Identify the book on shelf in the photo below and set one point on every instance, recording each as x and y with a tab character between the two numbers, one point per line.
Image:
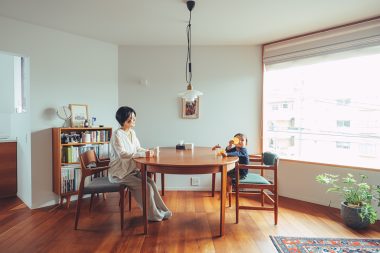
70	154
70	178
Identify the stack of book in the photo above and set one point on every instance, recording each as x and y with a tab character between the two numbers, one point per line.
70	178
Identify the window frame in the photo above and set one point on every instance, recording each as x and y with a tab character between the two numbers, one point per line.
344	103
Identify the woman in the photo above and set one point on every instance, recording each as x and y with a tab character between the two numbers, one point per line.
124	147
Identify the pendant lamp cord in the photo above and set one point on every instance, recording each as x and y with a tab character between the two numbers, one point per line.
188	59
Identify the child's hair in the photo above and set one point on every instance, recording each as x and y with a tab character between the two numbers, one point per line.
243	136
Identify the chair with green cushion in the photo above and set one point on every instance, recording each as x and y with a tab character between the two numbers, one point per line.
259	183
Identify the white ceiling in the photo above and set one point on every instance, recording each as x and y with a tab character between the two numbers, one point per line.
214	22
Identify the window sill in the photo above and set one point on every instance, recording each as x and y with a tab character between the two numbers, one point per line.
331	165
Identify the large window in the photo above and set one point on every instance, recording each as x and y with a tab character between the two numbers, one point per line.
325	108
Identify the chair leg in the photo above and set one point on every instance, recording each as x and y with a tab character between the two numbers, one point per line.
130	200
262	197
229	190
91	201
237	203
122	190
275	208
77	213
154	177
213	184
162	184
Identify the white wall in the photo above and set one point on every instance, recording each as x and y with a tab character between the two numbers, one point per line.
6	83
64	69
230	78
6	93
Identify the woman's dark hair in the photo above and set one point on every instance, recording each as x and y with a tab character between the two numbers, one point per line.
123	114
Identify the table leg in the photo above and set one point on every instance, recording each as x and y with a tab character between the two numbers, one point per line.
143	180
162	184
213	184
223	198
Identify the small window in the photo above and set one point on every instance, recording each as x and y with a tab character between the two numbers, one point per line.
367	149
19	84
343	145
343	123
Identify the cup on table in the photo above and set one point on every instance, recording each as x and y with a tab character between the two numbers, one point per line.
149	153
157	151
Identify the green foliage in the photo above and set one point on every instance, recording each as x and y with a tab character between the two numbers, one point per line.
356	193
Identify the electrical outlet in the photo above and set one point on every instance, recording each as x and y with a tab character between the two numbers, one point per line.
195	181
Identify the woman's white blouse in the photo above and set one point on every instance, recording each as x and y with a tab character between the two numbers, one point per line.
124	147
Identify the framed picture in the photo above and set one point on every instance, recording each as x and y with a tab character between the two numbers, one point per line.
79	113
190	109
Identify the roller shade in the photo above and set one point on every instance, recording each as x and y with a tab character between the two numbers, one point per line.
360	35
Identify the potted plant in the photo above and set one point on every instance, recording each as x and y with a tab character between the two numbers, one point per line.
356	209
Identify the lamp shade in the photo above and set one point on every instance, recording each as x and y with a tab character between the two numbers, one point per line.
190	95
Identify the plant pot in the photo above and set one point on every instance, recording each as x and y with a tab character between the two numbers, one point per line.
351	216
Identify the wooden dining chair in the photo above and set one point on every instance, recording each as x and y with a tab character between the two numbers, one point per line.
259	184
90	166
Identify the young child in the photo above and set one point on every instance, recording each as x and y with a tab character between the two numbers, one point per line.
236	147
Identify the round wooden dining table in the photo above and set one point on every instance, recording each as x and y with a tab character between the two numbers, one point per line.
200	160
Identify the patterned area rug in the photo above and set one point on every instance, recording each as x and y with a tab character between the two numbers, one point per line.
286	244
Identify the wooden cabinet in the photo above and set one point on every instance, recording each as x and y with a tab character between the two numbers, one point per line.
8	169
68	143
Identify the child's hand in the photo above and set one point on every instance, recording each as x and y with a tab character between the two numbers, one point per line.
223	153
215	147
231	142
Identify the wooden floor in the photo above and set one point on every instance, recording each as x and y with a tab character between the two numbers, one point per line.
194	227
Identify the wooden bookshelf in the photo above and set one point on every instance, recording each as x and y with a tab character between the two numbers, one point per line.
68	143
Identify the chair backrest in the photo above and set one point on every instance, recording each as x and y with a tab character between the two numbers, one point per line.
87	158
270	158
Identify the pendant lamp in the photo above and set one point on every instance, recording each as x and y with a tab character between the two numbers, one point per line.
190	94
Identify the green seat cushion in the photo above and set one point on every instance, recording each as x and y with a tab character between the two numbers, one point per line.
253	178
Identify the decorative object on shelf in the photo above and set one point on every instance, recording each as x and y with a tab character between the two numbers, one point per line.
93	120
64	112
79	115
356	209
190	109
190	94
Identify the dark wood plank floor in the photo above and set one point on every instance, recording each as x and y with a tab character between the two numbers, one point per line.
194	227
